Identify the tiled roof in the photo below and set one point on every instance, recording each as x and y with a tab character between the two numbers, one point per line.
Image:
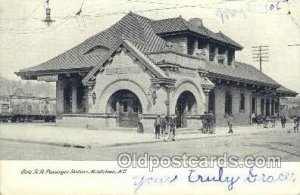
240	71
132	27
285	91
179	24
141	33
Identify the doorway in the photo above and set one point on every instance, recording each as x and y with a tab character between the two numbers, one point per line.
186	105
126	105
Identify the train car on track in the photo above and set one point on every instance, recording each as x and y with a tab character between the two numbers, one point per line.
16	108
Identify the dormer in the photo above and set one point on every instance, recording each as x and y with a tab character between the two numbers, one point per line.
193	38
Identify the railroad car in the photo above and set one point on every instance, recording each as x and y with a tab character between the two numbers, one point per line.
23	108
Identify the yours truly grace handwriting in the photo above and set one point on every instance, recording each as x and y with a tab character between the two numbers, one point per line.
220	176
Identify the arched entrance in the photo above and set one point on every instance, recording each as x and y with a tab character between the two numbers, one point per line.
186	105
126	105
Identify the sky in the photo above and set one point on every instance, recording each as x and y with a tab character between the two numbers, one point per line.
26	41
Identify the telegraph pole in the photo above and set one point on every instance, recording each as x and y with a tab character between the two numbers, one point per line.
260	54
48	19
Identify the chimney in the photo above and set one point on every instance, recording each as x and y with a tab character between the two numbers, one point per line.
196	21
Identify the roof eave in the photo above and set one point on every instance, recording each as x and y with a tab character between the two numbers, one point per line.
31	75
287	94
226	77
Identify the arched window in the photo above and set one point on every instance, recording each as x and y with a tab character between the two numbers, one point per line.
228	103
242	101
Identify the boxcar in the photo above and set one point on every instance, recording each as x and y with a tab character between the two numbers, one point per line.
23	108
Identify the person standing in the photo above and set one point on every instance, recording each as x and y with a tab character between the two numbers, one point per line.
172	128
140	124
296	125
283	121
163	126
253	117
204	122
213	119
157	127
230	125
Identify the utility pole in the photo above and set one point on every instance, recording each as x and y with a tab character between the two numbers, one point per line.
260	54
48	19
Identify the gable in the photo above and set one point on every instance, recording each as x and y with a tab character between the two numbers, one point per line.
124	58
124	64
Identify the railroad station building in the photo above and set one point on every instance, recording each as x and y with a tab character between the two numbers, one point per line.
155	67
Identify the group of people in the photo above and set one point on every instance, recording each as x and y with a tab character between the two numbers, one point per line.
165	127
283	121
208	123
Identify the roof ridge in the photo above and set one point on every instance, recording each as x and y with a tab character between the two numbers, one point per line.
166	19
139	23
186	23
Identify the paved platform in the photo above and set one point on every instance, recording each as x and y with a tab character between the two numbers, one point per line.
47	133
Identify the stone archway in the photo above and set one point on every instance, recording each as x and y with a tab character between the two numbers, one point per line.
126	105
186	105
124	84
190	86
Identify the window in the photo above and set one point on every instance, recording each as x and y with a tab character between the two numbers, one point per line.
253	105
67	99
262	106
5	108
267	107
228	103
231	57
190	45
211	102
212	52
221	50
242	101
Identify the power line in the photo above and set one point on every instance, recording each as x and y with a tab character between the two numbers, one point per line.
260	54
39	30
174	6
289	13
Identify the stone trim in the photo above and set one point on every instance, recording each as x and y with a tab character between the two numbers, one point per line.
92	115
